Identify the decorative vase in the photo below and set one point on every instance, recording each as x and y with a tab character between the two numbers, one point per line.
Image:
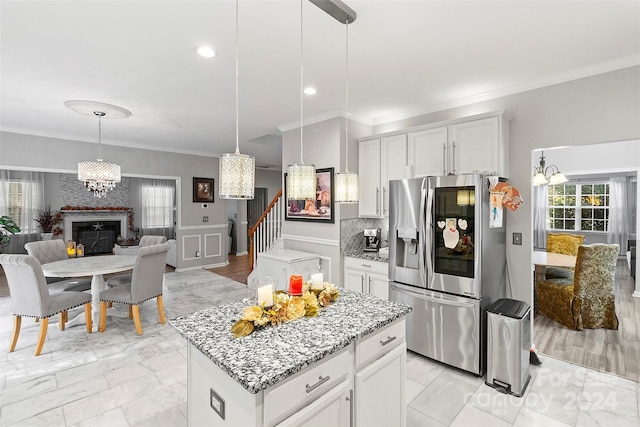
46	236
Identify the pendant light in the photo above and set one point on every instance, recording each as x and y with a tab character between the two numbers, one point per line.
237	171
347	190
301	182
98	176
547	175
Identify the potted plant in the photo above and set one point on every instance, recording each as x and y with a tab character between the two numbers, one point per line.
48	220
8	227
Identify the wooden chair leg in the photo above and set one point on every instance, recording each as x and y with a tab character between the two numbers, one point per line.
88	317
130	312
17	321
136	318
62	320
44	324
161	310
103	316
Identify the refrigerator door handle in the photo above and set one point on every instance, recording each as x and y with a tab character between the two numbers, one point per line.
421	233
428	232
442	301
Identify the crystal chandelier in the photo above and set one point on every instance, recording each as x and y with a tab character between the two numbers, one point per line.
237	171
541	174
347	190
301	182
98	176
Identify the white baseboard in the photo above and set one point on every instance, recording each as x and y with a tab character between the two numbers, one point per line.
202	267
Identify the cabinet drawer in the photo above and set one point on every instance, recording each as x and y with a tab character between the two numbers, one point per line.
366	265
380	343
306	386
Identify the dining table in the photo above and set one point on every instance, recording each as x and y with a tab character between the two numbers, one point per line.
543	259
95	266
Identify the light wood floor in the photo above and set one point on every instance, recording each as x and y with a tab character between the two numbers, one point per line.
616	352
238	268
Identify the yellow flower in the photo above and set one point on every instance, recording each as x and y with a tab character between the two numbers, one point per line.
296	308
252	313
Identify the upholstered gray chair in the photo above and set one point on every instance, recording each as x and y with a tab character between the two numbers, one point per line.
146	283
30	297
123	279
55	250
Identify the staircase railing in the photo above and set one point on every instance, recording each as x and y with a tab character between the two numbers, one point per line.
267	230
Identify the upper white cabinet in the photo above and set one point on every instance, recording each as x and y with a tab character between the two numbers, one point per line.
379	161
479	143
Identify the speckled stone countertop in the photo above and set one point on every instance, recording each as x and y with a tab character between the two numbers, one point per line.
372	256
273	353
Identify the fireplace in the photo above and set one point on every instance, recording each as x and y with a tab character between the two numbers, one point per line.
96	230
97	237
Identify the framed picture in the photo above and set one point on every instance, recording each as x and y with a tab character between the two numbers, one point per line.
203	189
319	209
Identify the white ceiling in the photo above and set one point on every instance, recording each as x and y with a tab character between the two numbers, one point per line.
406	58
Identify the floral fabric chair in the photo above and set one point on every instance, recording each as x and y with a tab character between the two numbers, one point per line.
562	243
587	300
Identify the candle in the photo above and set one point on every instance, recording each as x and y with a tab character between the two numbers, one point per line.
71	248
80	250
295	285
265	295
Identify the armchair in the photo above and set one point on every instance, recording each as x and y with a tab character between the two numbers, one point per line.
562	243
586	300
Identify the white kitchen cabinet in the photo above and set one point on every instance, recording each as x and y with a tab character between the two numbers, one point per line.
333	408
380	160
460	148
367	277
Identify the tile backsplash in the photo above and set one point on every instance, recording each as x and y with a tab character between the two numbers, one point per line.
351	237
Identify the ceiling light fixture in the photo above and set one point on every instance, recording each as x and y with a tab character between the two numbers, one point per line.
347	190
301	183
206	51
310	91
541	174
237	171
98	176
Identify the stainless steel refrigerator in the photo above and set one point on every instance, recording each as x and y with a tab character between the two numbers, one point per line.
447	263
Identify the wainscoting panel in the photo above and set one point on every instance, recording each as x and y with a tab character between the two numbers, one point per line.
190	245
212	245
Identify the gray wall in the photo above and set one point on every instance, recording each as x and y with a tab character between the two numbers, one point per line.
597	109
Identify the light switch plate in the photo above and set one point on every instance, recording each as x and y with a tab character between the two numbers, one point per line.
517	238
217	403
205	219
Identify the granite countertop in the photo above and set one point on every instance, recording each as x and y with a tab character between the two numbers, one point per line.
372	256
273	353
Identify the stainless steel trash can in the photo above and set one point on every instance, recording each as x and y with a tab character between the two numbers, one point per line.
508	343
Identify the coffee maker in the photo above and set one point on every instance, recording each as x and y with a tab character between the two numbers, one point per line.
371	239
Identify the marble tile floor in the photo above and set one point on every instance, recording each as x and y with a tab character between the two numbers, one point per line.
117	378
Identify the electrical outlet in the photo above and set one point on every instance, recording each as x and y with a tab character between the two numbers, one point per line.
197	254
216	403
517	238
205	219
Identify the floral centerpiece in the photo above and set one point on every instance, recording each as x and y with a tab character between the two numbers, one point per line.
48	220
285	308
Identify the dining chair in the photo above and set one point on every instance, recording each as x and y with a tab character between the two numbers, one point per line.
30	297
586	300
562	243
46	251
123	279
146	283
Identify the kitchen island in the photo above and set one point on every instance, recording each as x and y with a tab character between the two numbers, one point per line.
334	366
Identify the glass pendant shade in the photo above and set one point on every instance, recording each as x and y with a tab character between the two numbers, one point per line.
99	176
237	176
301	182
347	188
557	178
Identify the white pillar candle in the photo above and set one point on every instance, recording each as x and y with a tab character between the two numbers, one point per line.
265	295
317	278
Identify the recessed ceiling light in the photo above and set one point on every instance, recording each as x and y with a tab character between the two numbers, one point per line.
310	91
206	51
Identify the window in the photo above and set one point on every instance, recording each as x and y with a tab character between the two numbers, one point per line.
158	203
23	204
582	207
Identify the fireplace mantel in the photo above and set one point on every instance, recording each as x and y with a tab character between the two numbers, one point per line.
83	214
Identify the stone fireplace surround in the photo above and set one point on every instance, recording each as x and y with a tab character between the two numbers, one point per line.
71	216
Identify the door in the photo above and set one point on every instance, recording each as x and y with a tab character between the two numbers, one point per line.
378	285
369	178
354	280
393	161
442	327
257	206
379	390
475	146
428	152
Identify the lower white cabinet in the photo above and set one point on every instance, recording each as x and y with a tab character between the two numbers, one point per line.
380	391
333	408
367	277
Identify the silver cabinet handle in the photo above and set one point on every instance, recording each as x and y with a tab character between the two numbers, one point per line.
366	265
377	200
384	197
362	285
350	400
321	380
369	289
453	165
389	339
444	159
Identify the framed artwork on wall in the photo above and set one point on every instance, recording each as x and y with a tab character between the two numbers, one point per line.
203	189
318	210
